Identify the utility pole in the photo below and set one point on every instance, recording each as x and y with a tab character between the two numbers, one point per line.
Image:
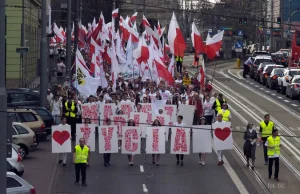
271	31
281	25
144	7
43	57
3	99
134	11
69	38
261	24
290	21
114	4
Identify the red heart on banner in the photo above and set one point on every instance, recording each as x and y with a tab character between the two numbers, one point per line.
61	136
222	134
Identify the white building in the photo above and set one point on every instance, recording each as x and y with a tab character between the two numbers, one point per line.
276	12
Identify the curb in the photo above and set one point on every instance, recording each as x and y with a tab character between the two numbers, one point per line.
53	175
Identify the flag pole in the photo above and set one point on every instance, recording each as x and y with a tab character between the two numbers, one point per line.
150	71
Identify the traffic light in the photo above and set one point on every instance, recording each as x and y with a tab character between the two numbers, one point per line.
240	20
278	20
245	21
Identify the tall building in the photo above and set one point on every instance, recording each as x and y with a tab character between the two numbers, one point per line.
22	29
273	6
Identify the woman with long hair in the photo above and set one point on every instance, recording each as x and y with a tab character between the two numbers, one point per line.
250	137
156	157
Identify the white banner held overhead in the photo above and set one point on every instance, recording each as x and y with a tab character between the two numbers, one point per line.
126	107
140	117
131	140
202	142
180	141
155	142
106	111
171	111
120	121
187	111
108	139
87	132
61	139
91	111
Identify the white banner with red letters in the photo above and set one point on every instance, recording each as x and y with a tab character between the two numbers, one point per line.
202	142
106	111
180	140
61	138
164	120
108	139
91	111
87	132
140	117
131	140
222	136
147	108
126	107
120	121
171	111
187	111
155	142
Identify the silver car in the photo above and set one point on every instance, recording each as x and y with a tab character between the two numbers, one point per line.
293	87
15	164
17	185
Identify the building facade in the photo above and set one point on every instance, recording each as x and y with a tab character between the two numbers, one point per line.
22	29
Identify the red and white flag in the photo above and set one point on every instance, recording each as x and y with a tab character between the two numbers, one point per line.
197	40
133	17
162	70
175	38
141	53
213	45
115	13
145	21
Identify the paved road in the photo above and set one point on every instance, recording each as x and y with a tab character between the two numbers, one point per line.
248	103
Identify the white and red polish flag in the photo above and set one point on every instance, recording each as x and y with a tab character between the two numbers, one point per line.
95	67
197	40
141	53
201	75
162	71
145	21
175	38
133	17
115	13
213	45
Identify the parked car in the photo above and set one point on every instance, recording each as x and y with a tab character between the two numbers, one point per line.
260	53
267	72
256	62
31	119
46	116
17	185
23	137
15	164
272	79
260	69
293	88
22	97
286	77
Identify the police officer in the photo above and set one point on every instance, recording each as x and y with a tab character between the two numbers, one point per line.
70	113
179	64
80	159
273	144
266	127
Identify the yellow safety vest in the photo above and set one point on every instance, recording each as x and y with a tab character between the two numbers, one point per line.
179	59
186	81
225	114
273	142
218	104
81	154
70	112
266	130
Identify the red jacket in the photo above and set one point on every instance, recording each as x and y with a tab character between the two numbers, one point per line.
198	106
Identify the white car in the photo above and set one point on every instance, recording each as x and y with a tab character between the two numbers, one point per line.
24	137
293	88
15	164
17	185
286	78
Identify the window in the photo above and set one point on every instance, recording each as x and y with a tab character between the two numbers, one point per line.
29	97
41	112
28	117
21	130
15	117
11	183
13	132
17	98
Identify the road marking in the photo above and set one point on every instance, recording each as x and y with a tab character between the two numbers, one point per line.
247	81
267	91
279	97
294	104
251	83
286	101
273	94
145	188
237	181
141	168
261	88
256	85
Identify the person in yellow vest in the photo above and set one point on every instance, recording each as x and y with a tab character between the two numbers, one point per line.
179	64
70	113
218	103
266	127
273	144
186	79
225	112
80	159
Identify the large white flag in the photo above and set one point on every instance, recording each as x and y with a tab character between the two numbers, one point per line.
84	82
